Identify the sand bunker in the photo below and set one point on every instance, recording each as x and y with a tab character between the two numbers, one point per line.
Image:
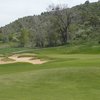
22	58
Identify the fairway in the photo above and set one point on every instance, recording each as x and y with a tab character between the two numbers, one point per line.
50	50
63	77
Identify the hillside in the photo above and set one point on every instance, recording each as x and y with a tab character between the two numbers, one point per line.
46	30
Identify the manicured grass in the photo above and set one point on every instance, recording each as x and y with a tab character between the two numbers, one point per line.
72	83
64	77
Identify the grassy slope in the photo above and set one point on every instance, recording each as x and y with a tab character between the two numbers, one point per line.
65	77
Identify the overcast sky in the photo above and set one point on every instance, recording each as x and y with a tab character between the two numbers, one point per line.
11	10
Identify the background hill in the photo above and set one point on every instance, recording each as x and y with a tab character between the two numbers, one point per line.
76	25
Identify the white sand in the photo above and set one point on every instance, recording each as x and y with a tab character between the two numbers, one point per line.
16	58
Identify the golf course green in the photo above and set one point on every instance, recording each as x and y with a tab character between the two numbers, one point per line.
66	76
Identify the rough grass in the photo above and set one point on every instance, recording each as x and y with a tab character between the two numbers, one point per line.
9	51
81	49
6	59
65	77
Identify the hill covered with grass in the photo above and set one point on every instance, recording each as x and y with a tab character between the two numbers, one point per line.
76	25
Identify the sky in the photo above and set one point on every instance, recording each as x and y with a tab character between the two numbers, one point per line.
11	10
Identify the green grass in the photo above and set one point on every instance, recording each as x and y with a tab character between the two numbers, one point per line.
70	49
66	76
8	51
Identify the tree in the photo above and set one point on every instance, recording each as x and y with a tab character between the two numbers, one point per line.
87	2
94	20
24	38
52	37
61	21
40	37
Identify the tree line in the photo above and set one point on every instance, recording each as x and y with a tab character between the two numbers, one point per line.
60	25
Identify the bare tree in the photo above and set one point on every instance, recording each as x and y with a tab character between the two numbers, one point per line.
61	21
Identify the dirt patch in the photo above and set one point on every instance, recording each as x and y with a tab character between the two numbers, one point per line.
22	58
6	60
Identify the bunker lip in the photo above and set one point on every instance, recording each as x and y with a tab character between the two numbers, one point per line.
17	58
